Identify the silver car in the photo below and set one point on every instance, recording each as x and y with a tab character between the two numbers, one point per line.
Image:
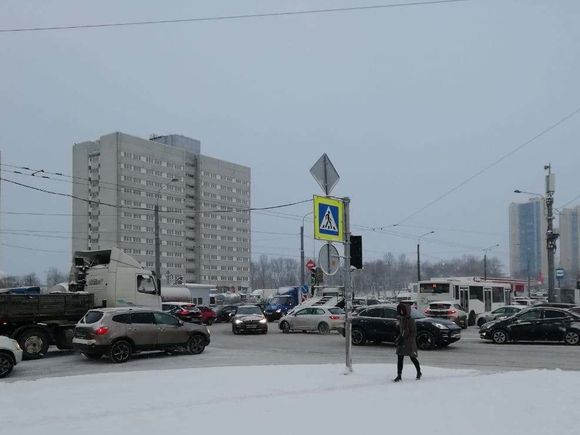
120	332
498	313
321	319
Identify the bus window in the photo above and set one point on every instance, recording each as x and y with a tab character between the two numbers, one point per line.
434	288
497	294
476	292
456	292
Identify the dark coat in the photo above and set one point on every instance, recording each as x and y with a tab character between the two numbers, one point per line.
407	344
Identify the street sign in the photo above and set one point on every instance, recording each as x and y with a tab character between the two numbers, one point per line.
328	259
325	174
559	273
328	219
310	265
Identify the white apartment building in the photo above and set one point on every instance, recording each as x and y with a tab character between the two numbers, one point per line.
203	202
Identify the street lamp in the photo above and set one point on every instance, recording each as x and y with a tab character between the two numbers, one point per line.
485	251
302	248
157	241
419	254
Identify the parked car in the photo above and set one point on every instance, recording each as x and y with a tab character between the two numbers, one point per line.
225	313
183	311
447	310
535	324
526	302
10	355
321	319
563	305
498	313
249	318
380	323
208	316
120	332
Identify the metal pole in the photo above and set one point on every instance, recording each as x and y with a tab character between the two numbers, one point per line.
347	287
485	266
550	236
418	263
157	249
529	278
302	255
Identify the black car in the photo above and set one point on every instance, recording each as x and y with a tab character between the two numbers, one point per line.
380	323
535	324
225	313
249	318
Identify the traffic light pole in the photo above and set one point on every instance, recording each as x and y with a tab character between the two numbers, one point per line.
347	288
551	237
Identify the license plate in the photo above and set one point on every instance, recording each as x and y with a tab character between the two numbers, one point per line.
251	326
83	341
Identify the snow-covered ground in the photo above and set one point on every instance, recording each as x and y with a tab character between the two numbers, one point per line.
294	400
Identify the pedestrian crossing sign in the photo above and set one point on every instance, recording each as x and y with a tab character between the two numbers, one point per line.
328	219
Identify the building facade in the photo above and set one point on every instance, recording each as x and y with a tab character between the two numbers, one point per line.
570	245
203	202
528	254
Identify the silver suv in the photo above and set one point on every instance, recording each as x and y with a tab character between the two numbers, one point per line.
120	332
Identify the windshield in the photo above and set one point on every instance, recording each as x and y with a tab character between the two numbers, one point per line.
279	300
249	310
416	314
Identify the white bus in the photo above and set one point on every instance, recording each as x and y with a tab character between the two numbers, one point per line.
474	296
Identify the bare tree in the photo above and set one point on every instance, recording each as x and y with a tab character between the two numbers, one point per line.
55	276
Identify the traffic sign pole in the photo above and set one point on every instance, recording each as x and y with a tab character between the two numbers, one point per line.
347	288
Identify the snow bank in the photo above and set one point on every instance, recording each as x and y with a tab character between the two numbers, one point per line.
294	400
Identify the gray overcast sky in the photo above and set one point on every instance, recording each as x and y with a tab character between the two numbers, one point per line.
407	102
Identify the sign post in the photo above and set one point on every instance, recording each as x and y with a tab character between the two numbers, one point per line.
331	223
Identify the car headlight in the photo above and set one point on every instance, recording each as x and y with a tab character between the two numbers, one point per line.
279	310
440	326
263	320
238	322
18	346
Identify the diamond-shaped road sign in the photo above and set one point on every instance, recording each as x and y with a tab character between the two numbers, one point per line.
325	174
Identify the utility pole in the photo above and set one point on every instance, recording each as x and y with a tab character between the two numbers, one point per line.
485	260
419	254
157	238
302	255
551	237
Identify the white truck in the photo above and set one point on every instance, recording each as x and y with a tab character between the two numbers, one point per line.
106	278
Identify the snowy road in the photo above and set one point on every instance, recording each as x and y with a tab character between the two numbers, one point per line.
277	348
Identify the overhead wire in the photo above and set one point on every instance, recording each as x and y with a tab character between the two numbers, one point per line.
230	17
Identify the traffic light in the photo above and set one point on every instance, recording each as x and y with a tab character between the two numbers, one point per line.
356	259
316	276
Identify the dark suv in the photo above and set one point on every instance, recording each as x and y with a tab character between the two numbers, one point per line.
120	332
380	323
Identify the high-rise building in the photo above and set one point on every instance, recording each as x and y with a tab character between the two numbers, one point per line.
528	254
570	245
203	202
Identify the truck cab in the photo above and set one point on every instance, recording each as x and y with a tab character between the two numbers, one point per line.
115	278
286	299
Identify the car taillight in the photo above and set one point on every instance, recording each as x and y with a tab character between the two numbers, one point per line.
451	311
334	317
426	310
183	312
102	330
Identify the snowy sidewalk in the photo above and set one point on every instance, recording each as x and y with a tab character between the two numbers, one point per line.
294	400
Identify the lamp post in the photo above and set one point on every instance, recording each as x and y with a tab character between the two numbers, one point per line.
157	240
419	254
485	251
302	248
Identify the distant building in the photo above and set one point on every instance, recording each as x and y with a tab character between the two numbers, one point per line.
202	239
528	255
570	245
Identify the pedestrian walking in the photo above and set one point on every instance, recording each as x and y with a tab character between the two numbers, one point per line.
406	343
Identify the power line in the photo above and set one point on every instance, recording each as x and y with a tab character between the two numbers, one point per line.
491	165
230	17
32	249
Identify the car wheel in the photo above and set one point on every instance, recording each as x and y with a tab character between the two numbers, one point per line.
6	364
358	337
285	327
120	351
323	328
34	344
235	331
572	338
463	324
481	322
425	340
196	344
209	322
92	356
499	337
